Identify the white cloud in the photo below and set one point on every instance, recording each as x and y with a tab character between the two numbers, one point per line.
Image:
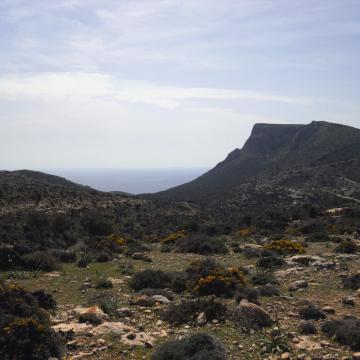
79	86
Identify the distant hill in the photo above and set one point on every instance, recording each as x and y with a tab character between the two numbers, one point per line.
318	161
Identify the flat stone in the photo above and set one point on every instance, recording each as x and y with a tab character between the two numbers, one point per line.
161	299
297	285
77	328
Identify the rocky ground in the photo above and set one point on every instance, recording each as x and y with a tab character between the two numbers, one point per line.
136	327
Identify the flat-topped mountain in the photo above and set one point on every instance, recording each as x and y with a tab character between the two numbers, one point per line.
287	156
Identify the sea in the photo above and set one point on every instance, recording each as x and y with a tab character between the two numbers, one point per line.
133	181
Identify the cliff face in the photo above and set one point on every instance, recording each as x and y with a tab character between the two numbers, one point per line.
271	153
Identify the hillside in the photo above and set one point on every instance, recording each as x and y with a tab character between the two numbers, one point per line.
314	159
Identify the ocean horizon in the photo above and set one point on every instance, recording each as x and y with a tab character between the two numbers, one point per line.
133	181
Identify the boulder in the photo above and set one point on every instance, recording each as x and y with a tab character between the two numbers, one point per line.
161	299
349	300
124	312
93	315
252	316
328	310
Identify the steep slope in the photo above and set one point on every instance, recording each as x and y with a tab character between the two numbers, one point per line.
283	156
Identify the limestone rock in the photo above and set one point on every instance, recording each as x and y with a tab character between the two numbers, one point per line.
161	299
93	315
252	316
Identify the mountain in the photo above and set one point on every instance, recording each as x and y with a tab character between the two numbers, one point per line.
308	162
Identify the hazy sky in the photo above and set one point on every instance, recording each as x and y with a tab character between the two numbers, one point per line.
167	83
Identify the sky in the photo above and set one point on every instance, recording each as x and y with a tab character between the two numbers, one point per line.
167	83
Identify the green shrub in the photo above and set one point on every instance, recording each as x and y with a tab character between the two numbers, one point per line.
25	332
352	282
10	259
103	257
311	312
109	304
270	261
206	277
68	257
269	290
286	247
345	332
40	261
104	284
187	311
196	347
263	277
247	293
307	328
126	268
45	300
200	244
347	247
155	279
84	260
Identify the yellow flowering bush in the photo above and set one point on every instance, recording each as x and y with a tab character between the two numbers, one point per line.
210	278
286	246
172	238
244	232
25	331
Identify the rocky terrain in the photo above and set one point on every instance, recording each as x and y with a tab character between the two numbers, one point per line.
266	268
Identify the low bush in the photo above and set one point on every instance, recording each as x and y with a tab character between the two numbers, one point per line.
263	277
307	328
112	243
126	268
68	257
10	259
45	300
286	247
352	282
154	279
318	237
103	257
206	277
169	241
109	304
200	244
194	347
187	311
25	332
40	261
247	293
346	332
104	284
269	261
269	290
178	281
96	224
311	312
85	260
347	247
251	253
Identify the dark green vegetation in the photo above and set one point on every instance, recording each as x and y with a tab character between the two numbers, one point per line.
25	332
195	347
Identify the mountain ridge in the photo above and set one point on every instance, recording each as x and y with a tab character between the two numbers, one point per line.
271	153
